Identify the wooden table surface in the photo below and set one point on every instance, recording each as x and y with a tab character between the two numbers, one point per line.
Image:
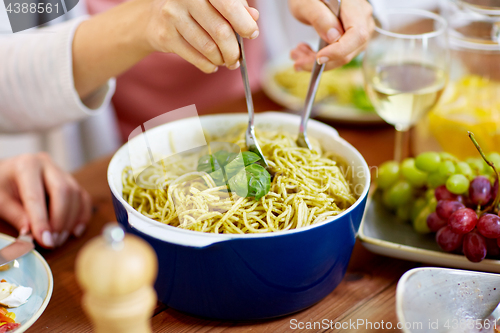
367	292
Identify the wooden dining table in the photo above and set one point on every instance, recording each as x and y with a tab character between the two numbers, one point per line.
366	293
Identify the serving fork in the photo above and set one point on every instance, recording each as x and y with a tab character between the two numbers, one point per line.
251	141
302	140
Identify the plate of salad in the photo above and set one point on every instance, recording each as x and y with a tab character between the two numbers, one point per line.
26	286
341	95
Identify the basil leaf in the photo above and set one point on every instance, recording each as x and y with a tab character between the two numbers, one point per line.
233	167
206	164
224	157
253	181
250	157
211	166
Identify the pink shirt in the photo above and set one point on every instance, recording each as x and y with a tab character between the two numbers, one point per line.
165	82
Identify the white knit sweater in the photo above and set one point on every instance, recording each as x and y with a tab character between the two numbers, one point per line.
36	80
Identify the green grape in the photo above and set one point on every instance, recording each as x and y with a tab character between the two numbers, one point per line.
435	179
428	162
429	194
476	164
457	184
403	212
398	195
418	205
487	169
432	204
414	176
495	158
420	222
448	157
388	174
465	169
447	168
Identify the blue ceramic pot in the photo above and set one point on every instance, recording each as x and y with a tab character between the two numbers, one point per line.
242	277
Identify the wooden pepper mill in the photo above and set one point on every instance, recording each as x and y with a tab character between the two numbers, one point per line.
116	272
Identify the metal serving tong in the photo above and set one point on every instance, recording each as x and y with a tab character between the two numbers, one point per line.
302	140
250	139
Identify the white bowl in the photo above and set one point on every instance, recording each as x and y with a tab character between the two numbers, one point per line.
445	300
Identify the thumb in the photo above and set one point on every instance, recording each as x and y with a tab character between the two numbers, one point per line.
317	14
13	212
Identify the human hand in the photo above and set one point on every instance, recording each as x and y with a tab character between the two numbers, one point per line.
346	38
25	182
202	31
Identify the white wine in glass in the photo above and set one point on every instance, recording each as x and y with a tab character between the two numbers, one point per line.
406	73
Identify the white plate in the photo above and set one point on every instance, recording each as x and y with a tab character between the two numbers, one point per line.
442	300
380	232
326	110
32	271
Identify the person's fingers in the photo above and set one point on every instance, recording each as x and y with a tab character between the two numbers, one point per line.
304	57
191	55
340	52
357	14
317	14
28	178
253	12
85	213
163	36
64	194
220	31
236	13
358	24
60	196
13	212
196	35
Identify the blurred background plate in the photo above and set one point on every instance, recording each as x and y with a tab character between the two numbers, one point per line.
32	271
382	233
329	108
445	300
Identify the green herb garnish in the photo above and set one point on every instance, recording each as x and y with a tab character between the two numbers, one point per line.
239	172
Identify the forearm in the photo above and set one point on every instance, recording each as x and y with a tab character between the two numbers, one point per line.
109	44
36	81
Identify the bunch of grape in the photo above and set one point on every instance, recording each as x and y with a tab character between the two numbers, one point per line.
455	199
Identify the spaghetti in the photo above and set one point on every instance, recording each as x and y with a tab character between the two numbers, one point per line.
308	187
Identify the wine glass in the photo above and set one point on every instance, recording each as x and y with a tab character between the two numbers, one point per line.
406	67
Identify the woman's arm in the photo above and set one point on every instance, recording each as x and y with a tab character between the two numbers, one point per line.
200	31
61	73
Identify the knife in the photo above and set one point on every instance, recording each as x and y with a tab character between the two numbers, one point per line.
21	246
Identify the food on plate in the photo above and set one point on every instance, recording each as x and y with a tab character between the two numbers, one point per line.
459	200
469	104
11	296
231	193
343	85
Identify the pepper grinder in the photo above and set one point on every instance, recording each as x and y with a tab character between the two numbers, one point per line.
116	272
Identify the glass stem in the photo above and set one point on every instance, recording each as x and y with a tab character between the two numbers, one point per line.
400	144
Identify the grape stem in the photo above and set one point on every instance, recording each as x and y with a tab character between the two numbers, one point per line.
494	205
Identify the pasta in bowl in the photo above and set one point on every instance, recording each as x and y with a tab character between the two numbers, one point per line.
256	257
308	187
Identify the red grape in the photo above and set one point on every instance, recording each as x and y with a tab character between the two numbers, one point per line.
480	190
494	190
498	241
448	240
434	222
463	220
445	208
492	247
489	225
474	246
442	193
